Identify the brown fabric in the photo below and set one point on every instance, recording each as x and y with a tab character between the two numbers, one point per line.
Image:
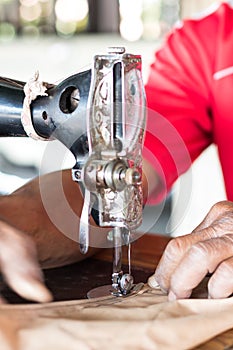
143	321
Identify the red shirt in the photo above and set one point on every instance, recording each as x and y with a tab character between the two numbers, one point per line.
191	86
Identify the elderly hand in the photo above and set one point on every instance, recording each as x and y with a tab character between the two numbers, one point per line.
19	266
30	236
208	249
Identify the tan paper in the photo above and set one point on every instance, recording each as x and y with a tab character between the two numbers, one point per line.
145	321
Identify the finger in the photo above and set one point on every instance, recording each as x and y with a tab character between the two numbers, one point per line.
221	282
2	300
172	256
218	221
29	288
25	280
203	257
19	265
177	248
170	259
216	213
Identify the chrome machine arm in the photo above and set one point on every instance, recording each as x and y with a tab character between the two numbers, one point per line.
111	174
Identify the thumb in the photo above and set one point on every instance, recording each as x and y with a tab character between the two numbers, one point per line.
152	282
19	265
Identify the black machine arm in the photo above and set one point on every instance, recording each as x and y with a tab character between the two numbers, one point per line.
60	115
11	104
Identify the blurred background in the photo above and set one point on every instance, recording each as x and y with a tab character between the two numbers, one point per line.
132	19
60	38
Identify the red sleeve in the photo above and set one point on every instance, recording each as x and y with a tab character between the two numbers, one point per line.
178	94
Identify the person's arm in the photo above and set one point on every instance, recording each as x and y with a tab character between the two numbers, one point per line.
152	184
188	259
180	123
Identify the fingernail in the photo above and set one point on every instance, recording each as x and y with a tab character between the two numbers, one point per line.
34	290
153	283
172	296
2	300
43	294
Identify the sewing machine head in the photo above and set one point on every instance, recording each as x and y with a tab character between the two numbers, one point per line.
111	172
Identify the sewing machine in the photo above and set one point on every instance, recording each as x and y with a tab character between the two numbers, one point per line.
99	115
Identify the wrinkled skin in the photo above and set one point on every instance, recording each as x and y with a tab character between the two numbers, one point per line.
208	249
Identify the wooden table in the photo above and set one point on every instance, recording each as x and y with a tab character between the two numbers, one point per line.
74	281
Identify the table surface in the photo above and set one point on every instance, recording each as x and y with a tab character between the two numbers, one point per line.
74	281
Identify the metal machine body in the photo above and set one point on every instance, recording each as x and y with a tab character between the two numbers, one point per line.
100	116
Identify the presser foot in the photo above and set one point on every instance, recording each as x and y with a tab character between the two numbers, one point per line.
122	286
108	290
